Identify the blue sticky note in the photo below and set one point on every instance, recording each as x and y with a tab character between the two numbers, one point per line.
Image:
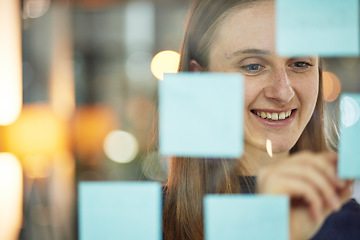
201	115
349	142
245	216
120	210
317	27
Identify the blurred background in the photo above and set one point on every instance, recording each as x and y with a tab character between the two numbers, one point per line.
78	98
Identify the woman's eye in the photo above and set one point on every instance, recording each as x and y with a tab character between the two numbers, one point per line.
252	68
301	65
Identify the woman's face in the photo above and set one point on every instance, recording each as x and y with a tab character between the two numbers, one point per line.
274	86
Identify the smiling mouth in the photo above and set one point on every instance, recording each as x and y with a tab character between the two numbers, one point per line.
273	116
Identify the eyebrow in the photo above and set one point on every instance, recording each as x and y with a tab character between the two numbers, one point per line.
250	51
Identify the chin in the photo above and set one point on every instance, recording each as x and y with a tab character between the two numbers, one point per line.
281	148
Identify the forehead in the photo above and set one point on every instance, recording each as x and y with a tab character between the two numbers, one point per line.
251	27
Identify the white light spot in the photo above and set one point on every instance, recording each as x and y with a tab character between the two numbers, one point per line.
165	62
10	62
120	146
36	8
269	147
350	111
11	188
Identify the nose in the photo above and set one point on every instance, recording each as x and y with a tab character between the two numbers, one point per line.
279	88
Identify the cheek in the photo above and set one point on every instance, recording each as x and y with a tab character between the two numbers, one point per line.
308	94
251	91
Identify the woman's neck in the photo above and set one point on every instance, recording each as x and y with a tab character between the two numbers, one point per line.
254	158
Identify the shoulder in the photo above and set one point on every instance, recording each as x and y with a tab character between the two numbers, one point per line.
343	224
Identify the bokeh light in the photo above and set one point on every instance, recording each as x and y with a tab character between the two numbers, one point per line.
10	62
165	62
36	166
91	124
120	146
35	8
331	86
11	196
36	131
350	111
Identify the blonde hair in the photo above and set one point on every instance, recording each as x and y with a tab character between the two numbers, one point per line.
190	179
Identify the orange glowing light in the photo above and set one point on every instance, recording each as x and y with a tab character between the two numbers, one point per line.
37	131
91	124
36	166
165	62
331	86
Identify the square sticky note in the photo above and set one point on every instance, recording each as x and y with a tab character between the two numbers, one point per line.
201	115
349	142
255	217
317	27
120	210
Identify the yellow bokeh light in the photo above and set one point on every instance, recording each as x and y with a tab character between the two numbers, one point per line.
120	146
11	189
165	62
90	126
36	131
331	86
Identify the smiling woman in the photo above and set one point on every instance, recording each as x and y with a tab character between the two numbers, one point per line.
273	84
283	105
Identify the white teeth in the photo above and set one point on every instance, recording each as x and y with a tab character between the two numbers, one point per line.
288	113
274	116
282	116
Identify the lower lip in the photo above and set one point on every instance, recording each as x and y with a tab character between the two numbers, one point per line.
276	124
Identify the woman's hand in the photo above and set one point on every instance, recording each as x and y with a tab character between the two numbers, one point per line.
310	181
